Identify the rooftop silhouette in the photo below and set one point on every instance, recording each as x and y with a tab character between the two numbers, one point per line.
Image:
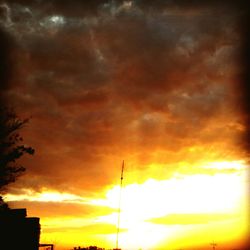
18	231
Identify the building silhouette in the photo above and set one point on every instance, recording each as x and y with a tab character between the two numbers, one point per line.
17	231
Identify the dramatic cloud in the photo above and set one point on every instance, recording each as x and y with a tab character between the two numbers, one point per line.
154	84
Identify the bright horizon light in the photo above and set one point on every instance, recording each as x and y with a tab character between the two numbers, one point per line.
158	210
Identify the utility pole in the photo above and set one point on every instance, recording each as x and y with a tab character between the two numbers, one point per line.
119	209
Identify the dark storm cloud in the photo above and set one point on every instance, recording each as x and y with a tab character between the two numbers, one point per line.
104	77
6	43
190	6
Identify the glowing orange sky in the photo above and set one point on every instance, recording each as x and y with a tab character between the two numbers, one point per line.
156	84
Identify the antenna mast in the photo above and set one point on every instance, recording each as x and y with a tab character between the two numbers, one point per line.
119	209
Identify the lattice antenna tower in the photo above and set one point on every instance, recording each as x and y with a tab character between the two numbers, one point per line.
119	208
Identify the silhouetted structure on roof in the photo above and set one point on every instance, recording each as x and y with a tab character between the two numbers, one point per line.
88	248
17	231
93	248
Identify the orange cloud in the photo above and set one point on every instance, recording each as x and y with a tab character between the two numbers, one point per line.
156	84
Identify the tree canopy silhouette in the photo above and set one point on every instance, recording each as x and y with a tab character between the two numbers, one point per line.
11	146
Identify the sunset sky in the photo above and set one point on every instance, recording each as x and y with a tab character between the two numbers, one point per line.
153	83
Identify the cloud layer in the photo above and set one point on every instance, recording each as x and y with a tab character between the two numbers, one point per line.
106	81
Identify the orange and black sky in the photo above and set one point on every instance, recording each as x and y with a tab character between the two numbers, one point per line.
156	83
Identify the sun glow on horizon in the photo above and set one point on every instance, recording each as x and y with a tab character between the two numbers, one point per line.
156	210
161	209
186	190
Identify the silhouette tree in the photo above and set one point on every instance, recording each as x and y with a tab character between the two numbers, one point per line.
11	147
